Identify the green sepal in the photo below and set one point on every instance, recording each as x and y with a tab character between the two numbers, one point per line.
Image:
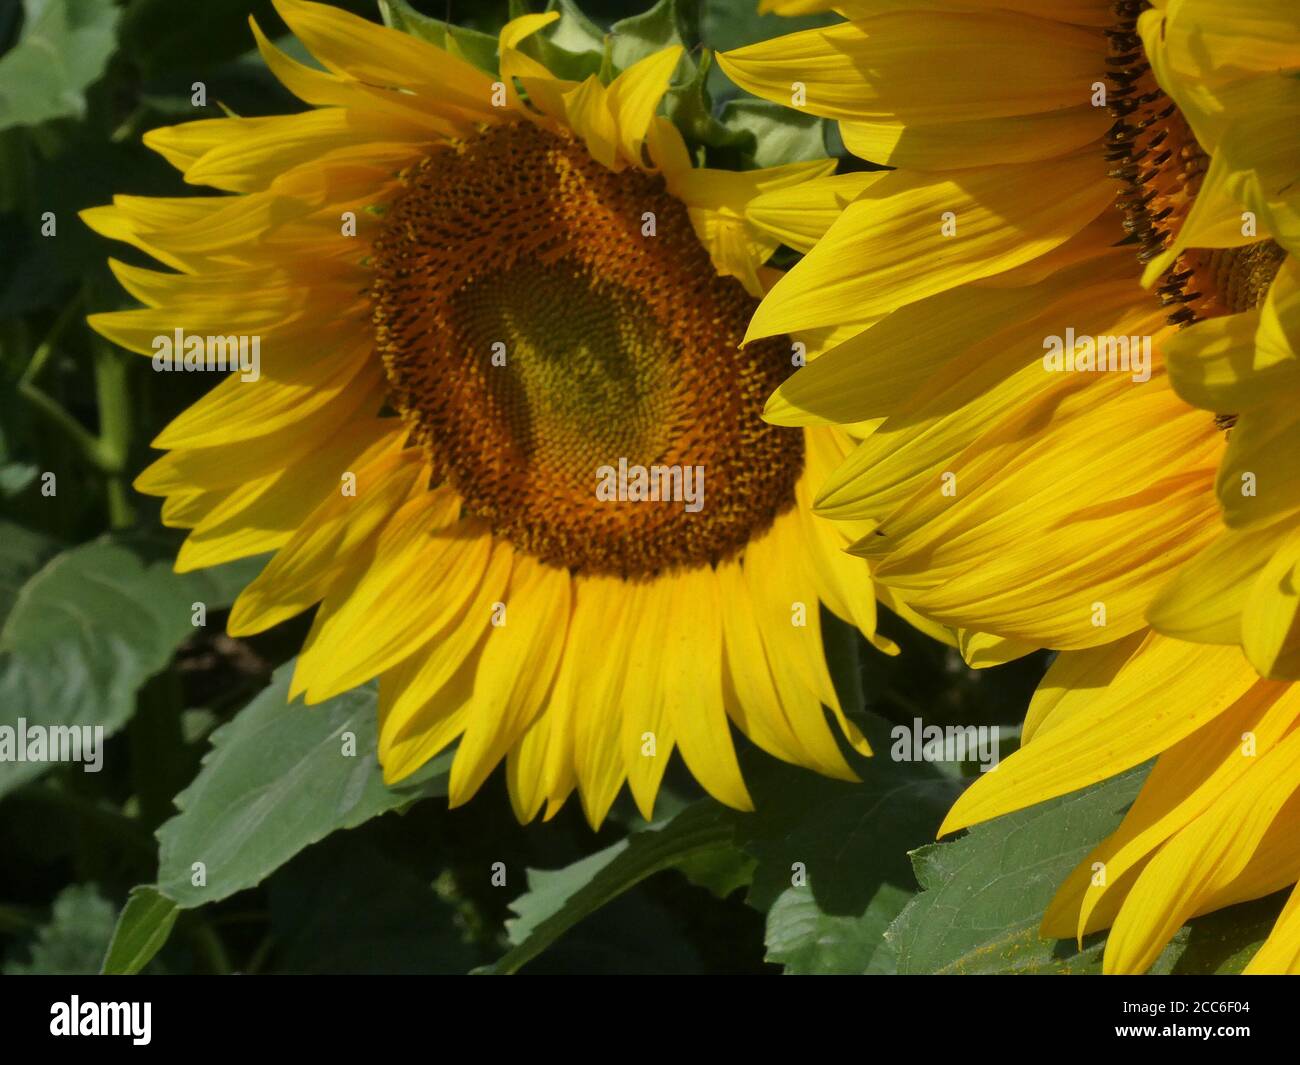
691	109
474	47
663	26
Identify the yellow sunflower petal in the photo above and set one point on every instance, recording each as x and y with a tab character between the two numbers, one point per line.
407	741
962	143
955	224
1280	954
1259	479
411	695
515	673
381	615
589	115
649	731
376	55
545	91
693	687
965	336
963	556
262	516
305	569
760	694
1202	859
1270	621
1186	781
601	619
1092	668
1204	601
866	70
800	215
1118	728
634	96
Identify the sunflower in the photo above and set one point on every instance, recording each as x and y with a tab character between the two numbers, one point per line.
1086	226
475	298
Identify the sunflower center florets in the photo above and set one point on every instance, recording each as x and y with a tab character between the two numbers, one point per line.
561	345
1161	165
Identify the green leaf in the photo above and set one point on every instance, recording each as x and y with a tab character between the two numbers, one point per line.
985	894
825	859
720	870
88	629
22	553
278	778
142	930
347	906
71	944
63	50
470	45
557	900
832	871
808	941
1221	943
15	477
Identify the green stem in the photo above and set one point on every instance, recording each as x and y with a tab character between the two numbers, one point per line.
114	444
47	404
42	354
130	128
209	945
259	957
108	452
54	410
